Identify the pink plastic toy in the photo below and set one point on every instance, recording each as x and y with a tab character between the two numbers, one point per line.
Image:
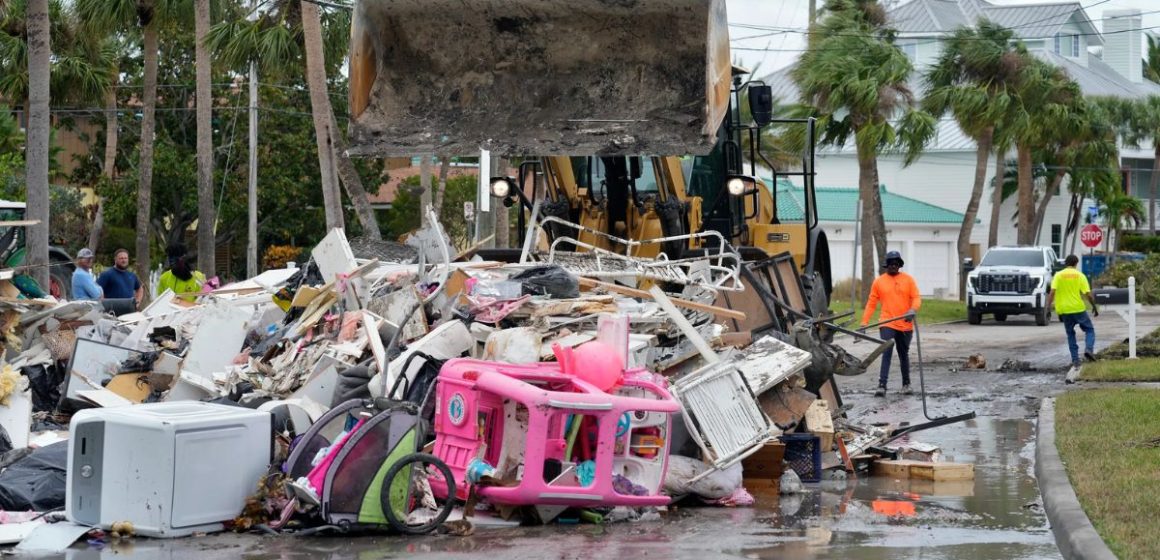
594	362
517	418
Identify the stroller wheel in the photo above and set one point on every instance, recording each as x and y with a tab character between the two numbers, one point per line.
404	488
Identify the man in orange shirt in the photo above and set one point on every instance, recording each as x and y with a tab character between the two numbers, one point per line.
898	294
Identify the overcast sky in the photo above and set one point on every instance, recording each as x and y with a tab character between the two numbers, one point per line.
770	50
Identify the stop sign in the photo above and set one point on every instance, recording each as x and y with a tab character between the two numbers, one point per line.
1091	235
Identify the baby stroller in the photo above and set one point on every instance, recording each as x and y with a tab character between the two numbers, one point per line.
361	465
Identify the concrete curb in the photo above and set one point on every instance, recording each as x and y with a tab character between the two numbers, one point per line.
1074	534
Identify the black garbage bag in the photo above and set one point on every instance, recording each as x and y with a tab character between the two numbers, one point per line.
549	280
36	482
45	382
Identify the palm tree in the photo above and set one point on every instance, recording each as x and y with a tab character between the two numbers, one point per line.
206	213
1084	144
1045	97
1002	141
280	40
110	17
36	151
1152	63
1120	210
853	78
1139	121
972	80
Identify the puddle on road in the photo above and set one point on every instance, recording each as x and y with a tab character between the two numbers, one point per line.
996	516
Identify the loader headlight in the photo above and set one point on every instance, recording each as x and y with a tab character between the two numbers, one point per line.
500	187
739	185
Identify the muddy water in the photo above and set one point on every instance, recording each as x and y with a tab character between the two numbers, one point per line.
996	516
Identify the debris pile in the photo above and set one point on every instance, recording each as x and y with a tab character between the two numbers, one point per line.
408	389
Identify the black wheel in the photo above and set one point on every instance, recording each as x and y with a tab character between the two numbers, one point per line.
399	498
1000	317
1042	316
974	317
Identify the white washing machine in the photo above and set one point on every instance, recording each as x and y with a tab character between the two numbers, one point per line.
171	469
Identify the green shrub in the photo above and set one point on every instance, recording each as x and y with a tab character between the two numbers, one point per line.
1140	243
1147	273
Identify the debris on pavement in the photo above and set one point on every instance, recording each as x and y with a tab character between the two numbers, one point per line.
406	392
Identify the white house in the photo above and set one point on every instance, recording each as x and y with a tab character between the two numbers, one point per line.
925	234
1107	64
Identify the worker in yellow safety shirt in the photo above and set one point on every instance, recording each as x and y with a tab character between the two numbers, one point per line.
180	277
1069	288
898	294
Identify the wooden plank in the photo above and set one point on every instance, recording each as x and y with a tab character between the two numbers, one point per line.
892	469
920	470
633	292
943	472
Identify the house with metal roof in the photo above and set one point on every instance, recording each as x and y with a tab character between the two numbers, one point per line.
1105	60
924	233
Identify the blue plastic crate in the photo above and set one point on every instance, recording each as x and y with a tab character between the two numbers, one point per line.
803	454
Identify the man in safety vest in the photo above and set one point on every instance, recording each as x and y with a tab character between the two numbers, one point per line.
898	294
1069	287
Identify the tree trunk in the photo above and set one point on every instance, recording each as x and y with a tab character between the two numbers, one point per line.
866	193
353	183
879	222
425	184
1026	197
320	110
1152	190
441	190
997	198
206	212
1041	212
110	168
145	168
981	154
37	146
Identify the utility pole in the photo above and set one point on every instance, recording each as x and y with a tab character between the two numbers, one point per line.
813	11
252	196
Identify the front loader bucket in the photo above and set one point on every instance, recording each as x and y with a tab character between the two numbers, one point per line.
538	77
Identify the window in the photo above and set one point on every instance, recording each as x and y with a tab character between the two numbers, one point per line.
1075	46
1013	257
1057	238
1057	41
910	49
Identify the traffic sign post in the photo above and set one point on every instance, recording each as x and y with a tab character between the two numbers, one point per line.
1091	236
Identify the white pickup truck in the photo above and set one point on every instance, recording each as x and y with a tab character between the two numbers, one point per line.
1012	281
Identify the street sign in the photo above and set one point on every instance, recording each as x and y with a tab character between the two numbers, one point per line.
468	210
1091	236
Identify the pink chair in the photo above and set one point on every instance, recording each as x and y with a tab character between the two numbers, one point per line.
480	410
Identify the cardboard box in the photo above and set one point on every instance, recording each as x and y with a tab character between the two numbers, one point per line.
766	465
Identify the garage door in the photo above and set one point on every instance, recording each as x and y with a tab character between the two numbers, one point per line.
930	267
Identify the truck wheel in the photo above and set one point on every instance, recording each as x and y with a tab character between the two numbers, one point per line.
59	282
1042	316
974	317
1000	317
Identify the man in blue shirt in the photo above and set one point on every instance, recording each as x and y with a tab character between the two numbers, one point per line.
119	282
84	286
